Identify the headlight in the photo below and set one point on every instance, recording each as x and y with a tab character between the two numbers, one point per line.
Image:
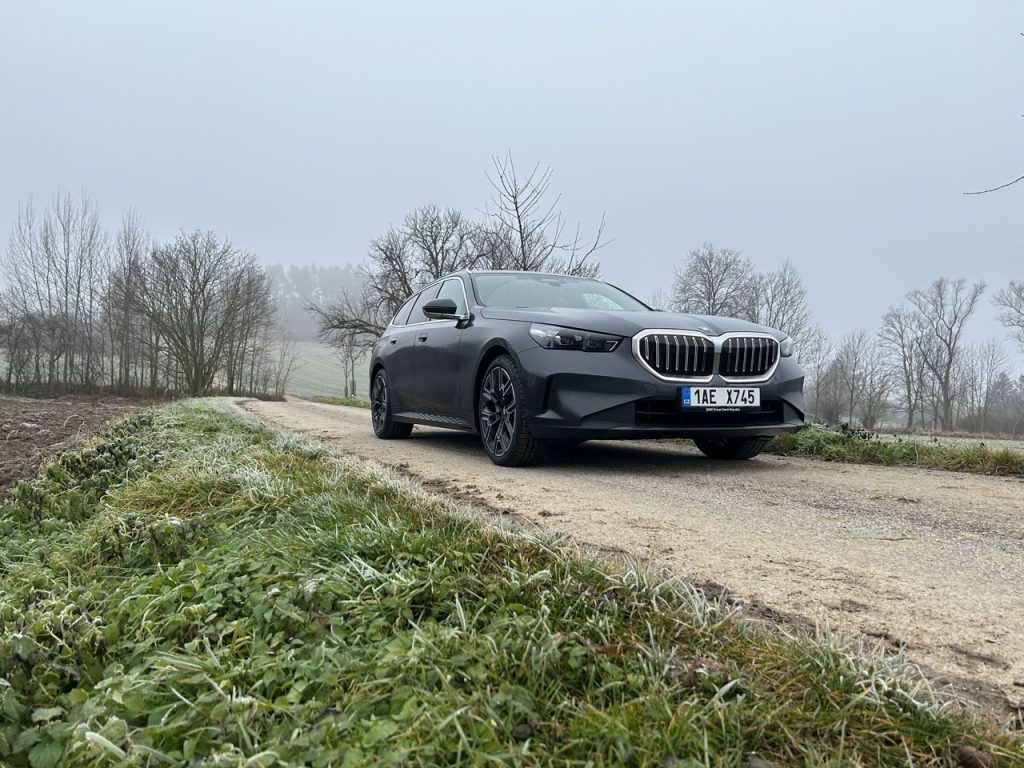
553	337
787	347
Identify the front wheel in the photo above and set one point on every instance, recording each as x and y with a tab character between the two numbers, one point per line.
384	426
502	416
731	447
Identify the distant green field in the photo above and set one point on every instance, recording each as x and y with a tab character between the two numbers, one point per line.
318	372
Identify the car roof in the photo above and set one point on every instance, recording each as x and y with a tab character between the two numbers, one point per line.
520	272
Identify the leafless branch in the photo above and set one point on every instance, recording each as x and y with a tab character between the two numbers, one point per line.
996	189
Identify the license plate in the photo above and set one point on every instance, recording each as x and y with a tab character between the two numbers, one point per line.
721	397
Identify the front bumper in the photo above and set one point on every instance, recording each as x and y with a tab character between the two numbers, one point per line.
575	395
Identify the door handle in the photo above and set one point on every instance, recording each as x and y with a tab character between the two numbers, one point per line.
422	337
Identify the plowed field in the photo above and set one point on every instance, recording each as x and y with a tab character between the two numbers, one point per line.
32	431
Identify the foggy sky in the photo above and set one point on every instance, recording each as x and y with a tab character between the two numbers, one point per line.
838	135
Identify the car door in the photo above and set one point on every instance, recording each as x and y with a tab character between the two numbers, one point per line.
399	353
438	364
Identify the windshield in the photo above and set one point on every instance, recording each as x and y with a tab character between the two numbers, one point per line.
513	290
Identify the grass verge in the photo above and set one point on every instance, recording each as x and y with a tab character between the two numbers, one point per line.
197	587
818	441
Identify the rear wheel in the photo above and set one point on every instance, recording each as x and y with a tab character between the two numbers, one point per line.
502	416
731	447
384	426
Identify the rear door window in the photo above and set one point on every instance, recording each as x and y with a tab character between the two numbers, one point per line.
402	315
417	316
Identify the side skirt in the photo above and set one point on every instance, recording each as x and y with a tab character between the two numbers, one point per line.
434	420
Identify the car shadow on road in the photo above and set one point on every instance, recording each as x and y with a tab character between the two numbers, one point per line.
646	456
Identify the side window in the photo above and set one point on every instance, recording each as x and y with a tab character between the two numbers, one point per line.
402	315
452	289
417	316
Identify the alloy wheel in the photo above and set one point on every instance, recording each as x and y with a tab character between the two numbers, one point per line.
379	403
498	411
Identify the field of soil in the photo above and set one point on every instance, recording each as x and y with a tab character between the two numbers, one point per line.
33	431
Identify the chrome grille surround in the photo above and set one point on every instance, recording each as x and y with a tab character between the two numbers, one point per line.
692	357
676	355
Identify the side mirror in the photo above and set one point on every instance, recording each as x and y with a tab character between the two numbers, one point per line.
441	309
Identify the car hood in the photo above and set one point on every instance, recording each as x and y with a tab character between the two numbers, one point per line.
621	323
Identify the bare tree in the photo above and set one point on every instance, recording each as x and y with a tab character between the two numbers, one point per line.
74	246
659	299
249	335
778	299
355	318
830	394
524	229
55	269
996	188
720	281
281	364
851	362
861	372
24	301
443	239
982	365
713	281
877	387
16	344
194	292
943	309
130	343
1006	413
899	337
816	353
350	352
394	269
1011	300
430	243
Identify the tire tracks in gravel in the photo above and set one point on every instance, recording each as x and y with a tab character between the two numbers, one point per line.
925	562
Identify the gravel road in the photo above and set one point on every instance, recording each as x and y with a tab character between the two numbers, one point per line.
925	561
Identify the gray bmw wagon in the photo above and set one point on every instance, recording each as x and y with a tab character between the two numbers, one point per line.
527	359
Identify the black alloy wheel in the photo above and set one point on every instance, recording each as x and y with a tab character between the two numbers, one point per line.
731	448
384	426
502	422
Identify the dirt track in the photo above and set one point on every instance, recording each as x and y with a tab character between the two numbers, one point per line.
931	562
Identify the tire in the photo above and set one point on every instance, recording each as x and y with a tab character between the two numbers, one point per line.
501	416
384	426
731	448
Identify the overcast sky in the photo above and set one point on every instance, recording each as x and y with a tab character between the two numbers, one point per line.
839	135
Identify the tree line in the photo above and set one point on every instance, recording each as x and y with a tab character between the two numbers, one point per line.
917	367
84	309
